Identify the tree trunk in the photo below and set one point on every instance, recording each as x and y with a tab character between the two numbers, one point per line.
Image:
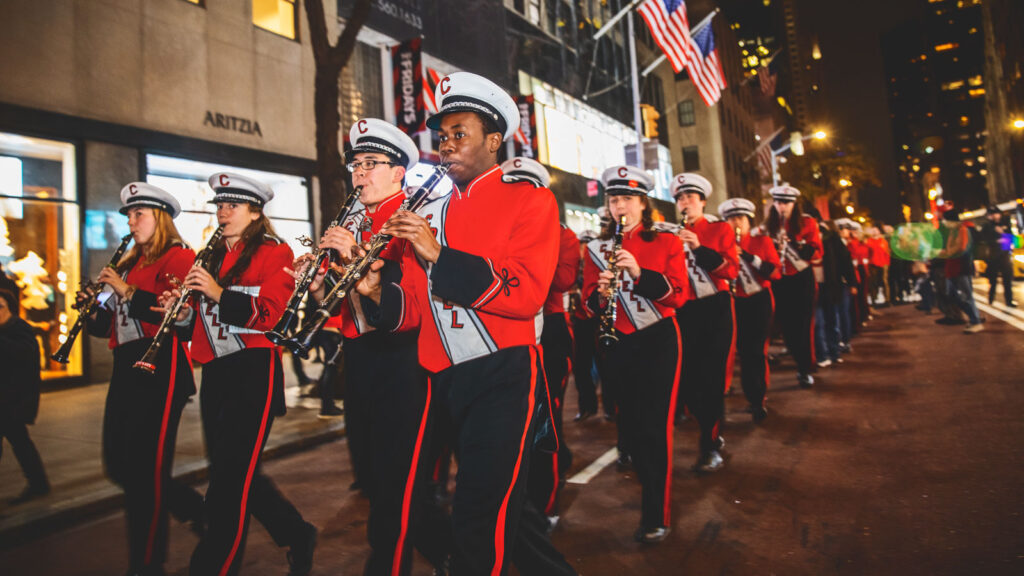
328	147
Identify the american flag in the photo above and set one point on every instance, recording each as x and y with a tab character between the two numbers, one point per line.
671	30
764	152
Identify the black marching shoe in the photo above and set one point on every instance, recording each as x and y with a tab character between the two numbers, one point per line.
583	415
710	462
624	461
300	555
651	535
30	493
758	414
330	411
805	380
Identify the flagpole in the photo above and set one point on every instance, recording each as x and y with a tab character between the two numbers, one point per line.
700	26
635	80
614	20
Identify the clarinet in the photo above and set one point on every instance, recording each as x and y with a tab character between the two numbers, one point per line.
301	343
607	336
739	251
88	308
290	316
148	361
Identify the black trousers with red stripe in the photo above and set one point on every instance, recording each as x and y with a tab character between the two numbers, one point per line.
794	309
240	395
547	466
140	430
706	327
490	404
383	371
644	367
753	326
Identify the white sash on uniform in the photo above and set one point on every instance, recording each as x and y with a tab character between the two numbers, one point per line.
640	311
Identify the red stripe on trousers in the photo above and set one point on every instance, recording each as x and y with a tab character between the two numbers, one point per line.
252	468
767	342
671	418
554	457
730	360
396	565
499	529
158	473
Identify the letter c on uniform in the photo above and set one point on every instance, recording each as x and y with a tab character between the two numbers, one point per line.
362	126
623	171
446	85
224	181
517	163
133	189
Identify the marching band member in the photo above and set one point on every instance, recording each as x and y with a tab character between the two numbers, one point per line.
242	389
386	391
477	267
556	343
798	242
758	266
706	320
140	423
584	330
643	366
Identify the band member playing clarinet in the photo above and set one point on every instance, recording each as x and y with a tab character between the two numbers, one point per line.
758	266
706	320
242	390
140	423
643	364
385	387
798	242
477	266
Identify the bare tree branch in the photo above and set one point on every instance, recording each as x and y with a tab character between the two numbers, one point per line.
342	51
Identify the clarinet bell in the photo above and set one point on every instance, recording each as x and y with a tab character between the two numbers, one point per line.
302	342
279	334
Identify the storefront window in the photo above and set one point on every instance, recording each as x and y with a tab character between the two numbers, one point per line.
187	180
39	241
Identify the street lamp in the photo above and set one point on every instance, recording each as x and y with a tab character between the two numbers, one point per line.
849	209
1018	123
845	183
819	135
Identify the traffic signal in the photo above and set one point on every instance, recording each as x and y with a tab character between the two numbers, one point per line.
650	117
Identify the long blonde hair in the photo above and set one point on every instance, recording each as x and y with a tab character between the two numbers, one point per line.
164	237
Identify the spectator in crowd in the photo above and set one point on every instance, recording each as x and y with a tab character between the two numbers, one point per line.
878	260
999	258
19	395
838	278
959	255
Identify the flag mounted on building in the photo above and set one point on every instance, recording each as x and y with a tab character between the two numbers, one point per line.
670	28
763	152
768	76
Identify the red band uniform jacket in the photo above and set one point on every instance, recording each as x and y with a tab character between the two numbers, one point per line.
247	309
804	248
758	265
661	288
565	272
713	265
499	249
133	320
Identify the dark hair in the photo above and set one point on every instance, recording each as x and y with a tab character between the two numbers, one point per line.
773	223
490	126
12	300
252	238
646	221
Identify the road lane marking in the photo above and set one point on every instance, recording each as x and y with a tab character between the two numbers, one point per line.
587	474
980	296
1004	317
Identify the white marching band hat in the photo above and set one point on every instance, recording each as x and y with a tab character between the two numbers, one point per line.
375	135
230	187
468	92
521	168
690	182
785	192
139	194
626	180
737	207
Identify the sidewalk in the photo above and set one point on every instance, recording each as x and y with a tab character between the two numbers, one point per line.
68	436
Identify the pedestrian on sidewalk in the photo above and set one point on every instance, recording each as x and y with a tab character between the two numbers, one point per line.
839	276
242	296
997	238
19	395
959	255
143	409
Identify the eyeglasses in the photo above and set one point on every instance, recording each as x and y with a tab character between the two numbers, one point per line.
367	165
